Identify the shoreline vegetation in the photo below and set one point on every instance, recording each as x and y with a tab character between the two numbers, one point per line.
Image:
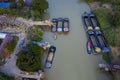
29	10
108	16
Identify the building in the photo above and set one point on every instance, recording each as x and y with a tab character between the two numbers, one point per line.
2	35
4	3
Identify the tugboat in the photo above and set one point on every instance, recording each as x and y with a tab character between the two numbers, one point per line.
89	47
50	56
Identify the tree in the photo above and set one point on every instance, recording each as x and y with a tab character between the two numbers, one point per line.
115	19
39	6
31	59
35	34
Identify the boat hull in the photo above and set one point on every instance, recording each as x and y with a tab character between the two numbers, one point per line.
49	59
66	25
54	26
99	35
60	25
89	47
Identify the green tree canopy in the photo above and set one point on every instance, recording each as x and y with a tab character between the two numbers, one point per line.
40	5
31	59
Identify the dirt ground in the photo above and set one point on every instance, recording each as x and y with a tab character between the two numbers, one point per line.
116	60
95	5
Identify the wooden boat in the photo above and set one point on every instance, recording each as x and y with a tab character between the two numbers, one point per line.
60	25
89	47
44	45
66	25
50	57
86	22
55	36
54	25
99	34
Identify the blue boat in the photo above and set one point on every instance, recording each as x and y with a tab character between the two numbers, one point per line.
94	42
54	25
89	47
66	25
50	57
90	33
86	22
60	25
99	35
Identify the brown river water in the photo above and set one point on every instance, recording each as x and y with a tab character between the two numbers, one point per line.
71	61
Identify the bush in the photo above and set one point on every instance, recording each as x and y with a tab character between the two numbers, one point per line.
106	57
115	20
10	46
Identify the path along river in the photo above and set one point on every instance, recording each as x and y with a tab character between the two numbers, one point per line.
71	61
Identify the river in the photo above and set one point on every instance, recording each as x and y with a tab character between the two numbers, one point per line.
71	61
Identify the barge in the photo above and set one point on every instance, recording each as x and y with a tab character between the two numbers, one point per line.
50	57
86	22
99	35
94	42
60	25
91	35
66	25
54	25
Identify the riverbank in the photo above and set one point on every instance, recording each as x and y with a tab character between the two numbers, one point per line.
111	33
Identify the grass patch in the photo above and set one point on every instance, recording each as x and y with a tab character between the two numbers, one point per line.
107	29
